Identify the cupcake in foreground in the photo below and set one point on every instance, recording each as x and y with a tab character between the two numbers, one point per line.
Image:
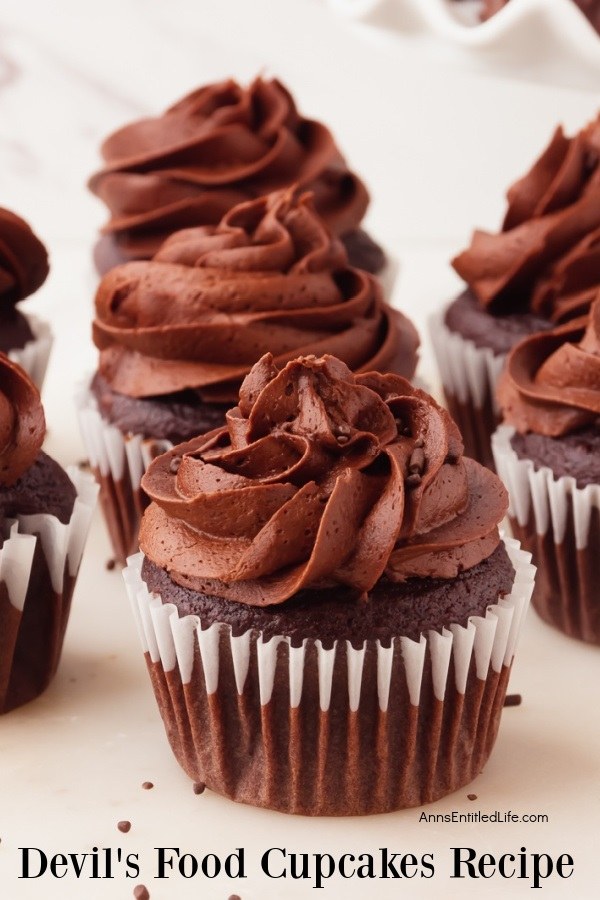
328	612
542	269
45	515
548	454
23	269
217	147
178	334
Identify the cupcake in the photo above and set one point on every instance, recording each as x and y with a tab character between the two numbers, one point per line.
23	269
45	517
328	612
219	146
548	454
178	334
542	269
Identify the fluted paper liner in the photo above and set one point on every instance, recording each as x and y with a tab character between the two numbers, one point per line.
340	731
34	356
118	462
469	377
559	524
39	562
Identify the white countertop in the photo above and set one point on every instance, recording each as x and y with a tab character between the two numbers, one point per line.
437	143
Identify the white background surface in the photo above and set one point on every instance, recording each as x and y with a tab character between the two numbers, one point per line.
437	142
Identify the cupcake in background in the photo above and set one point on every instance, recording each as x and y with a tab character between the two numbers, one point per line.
542	269
219	146
45	516
548	455
328	611
23	269
178	334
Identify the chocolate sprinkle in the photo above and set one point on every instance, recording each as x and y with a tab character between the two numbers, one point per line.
416	463
513	700
199	787
124	826
471	796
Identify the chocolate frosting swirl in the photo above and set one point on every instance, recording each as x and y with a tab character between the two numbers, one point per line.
23	259
22	423
320	477
551	384
269	277
546	259
217	147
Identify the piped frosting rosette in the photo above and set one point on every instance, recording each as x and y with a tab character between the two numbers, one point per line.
321	479
23	269
550	394
269	277
546	259
39	552
217	147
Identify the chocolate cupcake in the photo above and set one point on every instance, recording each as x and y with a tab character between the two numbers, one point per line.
220	146
178	334
542	269
23	269
45	515
328	612
548	454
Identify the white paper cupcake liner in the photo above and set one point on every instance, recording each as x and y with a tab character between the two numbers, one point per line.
118	462
469	377
33	614
34	356
560	524
341	707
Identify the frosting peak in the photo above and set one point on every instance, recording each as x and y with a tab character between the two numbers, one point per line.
269	277
22	423
217	147
551	384
23	259
546	259
320	477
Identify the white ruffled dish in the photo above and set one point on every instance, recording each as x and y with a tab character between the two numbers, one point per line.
458	22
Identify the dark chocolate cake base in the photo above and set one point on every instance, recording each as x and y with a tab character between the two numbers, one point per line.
411	608
466	317
324	753
112	250
15	330
173	417
576	454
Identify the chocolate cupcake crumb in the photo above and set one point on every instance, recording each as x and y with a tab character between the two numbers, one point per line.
199	787
471	796
124	826
141	892
513	700
147	785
